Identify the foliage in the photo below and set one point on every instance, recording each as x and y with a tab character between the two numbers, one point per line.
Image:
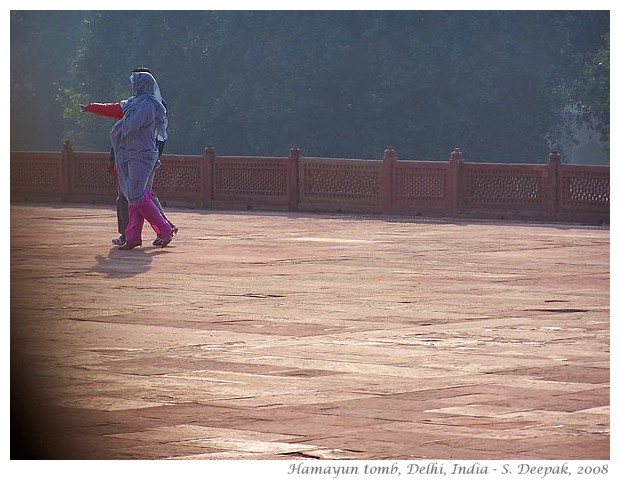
42	47
589	93
336	83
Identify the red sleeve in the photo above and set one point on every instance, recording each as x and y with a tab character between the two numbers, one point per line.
113	110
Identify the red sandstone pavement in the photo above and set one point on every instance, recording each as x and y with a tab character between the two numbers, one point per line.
263	336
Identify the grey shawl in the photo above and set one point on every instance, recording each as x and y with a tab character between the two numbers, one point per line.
133	137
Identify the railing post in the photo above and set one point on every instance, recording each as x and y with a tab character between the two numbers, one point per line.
454	181
66	167
207	176
293	178
387	182
553	187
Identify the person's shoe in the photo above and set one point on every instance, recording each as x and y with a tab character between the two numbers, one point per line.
165	241
119	241
159	240
130	245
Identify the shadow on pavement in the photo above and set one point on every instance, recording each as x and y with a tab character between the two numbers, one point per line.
126	263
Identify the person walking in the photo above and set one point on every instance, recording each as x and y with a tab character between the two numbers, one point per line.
134	143
115	110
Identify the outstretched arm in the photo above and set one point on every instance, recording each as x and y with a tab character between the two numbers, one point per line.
114	110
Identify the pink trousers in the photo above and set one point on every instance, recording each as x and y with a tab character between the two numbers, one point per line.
145	209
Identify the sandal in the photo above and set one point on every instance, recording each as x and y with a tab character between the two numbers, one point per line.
165	241
130	245
119	241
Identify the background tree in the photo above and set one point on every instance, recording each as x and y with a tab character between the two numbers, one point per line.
336	83
42	48
588	94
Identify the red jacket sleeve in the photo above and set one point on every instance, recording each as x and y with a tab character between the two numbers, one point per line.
113	110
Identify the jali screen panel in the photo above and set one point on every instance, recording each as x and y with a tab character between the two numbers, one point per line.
261	180
510	188
339	183
583	189
90	178
36	174
180	178
421	186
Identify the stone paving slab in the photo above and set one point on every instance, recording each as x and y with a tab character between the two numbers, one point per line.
265	336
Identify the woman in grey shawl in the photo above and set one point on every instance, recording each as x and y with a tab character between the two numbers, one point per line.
134	142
